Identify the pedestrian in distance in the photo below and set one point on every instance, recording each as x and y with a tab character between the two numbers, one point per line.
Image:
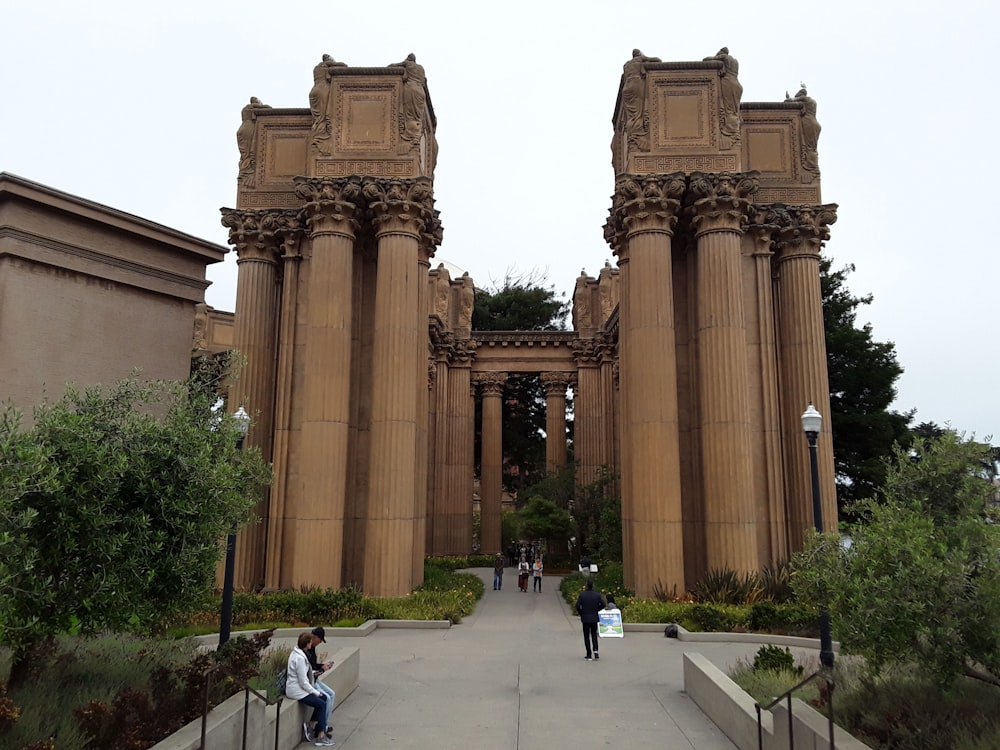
588	605
536	570
523	571
498	572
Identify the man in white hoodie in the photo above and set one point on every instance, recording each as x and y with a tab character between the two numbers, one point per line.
300	687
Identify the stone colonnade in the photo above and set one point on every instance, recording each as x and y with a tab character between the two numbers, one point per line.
687	387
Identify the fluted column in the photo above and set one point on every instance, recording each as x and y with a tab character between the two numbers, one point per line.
640	230
313	544
399	214
257	246
719	213
802	231
291	241
589	413
555	384
773	498
491	386
424	387
461	451
438	446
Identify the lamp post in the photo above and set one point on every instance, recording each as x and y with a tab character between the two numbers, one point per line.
812	421
226	617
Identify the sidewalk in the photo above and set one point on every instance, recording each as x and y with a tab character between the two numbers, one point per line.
512	677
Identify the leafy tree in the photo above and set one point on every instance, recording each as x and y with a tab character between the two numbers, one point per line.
520	303
543	519
920	582
594	508
114	506
863	373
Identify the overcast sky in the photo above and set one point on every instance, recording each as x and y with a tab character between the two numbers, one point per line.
136	106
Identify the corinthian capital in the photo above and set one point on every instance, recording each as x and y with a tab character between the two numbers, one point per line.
405	206
250	235
490	383
720	201
556	383
643	204
331	203
803	229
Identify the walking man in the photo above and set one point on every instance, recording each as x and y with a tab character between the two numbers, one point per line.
588	604
536	569
498	572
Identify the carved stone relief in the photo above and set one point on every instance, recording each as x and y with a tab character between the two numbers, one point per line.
319	101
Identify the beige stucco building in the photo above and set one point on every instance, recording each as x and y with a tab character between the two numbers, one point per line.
88	294
690	362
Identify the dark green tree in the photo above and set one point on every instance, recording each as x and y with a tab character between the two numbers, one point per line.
919	586
114	506
520	303
863	374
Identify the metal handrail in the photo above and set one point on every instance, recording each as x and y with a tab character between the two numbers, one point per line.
208	674
823	674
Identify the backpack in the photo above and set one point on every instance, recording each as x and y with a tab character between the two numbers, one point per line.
282	681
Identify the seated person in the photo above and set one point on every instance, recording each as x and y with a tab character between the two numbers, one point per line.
300	687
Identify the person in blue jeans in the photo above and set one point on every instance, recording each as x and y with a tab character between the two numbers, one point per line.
300	687
318	668
498	572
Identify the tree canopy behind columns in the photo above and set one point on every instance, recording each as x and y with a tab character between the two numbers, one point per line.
863	374
114	507
520	303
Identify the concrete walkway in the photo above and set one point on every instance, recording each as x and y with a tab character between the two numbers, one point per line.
512	677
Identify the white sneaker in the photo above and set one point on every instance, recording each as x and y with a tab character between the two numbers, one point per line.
325	742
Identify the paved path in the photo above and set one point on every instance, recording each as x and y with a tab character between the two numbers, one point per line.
512	677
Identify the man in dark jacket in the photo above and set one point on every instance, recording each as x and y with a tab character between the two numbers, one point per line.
588	604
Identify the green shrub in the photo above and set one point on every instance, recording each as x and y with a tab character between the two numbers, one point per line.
717	618
775	659
776	582
727	586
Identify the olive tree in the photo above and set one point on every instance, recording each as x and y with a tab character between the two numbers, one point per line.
919	582
114	506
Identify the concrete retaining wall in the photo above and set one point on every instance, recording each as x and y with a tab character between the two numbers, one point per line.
734	712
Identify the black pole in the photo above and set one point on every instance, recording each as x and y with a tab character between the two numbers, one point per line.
227	589
825	638
226	616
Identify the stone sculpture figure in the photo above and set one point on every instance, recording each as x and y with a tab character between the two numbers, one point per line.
200	339
414	98
442	292
605	292
634	99
810	129
467	300
246	137
732	92
319	98
582	317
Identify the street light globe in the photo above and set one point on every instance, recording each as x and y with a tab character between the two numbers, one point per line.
242	420
812	420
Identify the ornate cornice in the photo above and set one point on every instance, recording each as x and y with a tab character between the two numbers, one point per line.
490	383
556	383
647	203
802	230
719	202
